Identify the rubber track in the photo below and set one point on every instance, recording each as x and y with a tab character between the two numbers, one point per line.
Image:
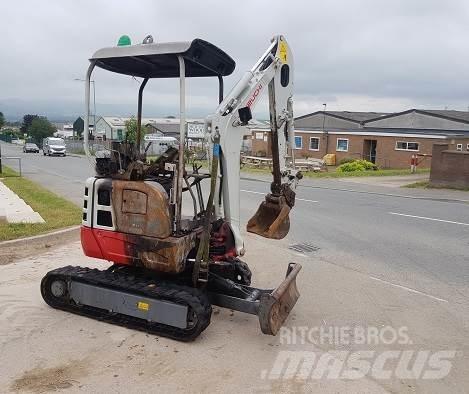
126	280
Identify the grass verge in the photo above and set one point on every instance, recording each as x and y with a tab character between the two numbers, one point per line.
56	211
332	173
426	185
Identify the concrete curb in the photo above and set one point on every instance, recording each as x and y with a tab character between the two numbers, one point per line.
40	237
3	215
17	249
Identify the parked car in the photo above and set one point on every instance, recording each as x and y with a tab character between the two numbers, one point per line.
30	147
53	146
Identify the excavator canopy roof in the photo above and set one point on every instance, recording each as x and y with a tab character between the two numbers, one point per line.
160	60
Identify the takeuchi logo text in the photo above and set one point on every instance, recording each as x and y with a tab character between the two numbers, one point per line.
254	95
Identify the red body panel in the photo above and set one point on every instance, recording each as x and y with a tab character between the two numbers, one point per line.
106	245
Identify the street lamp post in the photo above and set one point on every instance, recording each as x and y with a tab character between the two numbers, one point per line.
94	105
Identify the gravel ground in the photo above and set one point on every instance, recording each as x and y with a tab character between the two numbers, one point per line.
45	350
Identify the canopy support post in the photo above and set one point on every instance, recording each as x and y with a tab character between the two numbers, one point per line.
86	120
182	134
139	117
220	89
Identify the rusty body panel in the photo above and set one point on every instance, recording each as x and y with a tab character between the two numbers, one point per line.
168	255
162	255
142	215
141	208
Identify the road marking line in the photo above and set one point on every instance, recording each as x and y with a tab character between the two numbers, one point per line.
408	289
448	200
425	218
303	199
250	191
296	199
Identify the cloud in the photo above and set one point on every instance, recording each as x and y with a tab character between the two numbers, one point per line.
375	55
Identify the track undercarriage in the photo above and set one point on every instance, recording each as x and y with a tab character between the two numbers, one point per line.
135	298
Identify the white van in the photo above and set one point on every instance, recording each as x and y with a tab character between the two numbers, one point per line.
53	146
159	144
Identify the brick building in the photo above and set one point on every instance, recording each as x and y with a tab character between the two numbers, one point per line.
389	140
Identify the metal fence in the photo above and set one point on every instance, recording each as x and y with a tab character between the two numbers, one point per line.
5	137
8	158
78	146
155	149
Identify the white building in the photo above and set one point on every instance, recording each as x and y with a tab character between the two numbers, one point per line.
65	132
113	127
110	127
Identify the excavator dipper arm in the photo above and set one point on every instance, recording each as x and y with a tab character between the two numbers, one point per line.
273	72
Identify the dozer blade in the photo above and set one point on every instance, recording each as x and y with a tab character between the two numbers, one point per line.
275	307
271	219
272	307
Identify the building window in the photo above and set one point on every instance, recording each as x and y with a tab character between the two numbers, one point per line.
402	145
314	143
342	145
459	147
298	142
259	136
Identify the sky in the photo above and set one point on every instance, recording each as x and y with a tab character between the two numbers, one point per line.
353	55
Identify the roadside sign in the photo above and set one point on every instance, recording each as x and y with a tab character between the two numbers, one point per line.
195	130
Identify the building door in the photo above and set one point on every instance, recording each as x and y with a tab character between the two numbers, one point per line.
369	150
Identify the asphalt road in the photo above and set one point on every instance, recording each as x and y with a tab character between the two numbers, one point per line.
372	229
62	175
411	244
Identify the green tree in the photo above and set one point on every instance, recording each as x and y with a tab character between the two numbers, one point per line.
131	130
78	126
41	128
2	120
27	121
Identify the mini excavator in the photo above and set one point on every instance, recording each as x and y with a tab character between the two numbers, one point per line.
168	268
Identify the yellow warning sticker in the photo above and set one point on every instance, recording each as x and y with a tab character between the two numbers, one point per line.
143	306
283	49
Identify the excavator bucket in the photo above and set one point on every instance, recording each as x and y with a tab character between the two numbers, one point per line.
271	219
275	306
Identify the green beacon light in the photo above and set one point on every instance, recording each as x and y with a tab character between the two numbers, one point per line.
123	41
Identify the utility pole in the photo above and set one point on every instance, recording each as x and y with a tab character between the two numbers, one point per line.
325	133
87	127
